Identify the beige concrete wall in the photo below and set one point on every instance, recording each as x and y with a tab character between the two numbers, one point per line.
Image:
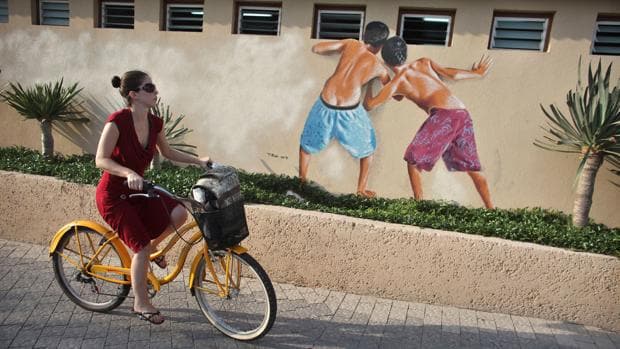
373	258
247	97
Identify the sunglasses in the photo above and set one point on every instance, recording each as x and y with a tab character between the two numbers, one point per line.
148	87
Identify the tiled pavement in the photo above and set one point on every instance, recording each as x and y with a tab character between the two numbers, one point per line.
35	313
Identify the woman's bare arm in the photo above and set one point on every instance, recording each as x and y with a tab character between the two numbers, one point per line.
103	159
172	154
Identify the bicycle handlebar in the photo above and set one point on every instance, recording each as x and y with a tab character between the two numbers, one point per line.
150	189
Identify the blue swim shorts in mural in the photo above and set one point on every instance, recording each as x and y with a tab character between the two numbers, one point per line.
349	125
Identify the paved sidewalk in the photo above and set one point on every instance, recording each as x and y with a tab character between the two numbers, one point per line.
35	313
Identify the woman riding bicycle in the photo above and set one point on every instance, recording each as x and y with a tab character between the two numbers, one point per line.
125	149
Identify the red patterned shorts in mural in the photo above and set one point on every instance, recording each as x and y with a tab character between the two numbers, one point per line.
448	133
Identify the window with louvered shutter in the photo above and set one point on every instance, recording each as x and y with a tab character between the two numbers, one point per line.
338	24
258	20
520	32
607	36
117	15
4	11
426	27
54	12
184	17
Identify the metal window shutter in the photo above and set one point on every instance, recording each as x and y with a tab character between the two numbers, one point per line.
339	25
259	21
607	39
118	16
519	34
185	18
4	11
418	31
55	13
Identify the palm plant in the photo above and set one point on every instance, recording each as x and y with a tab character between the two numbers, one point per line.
593	132
173	131
46	103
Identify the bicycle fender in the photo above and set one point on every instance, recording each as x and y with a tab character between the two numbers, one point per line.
238	249
122	251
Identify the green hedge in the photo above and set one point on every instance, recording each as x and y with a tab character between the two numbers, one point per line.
535	225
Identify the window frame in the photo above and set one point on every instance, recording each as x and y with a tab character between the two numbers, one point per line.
7	13
167	16
334	8
427	12
255	5
163	18
523	15
99	12
604	18
39	9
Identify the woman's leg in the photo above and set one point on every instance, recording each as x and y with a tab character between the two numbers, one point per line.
142	304
177	219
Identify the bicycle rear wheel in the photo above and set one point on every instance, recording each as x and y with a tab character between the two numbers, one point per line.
75	251
249	309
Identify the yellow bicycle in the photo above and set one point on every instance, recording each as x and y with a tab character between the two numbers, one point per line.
92	266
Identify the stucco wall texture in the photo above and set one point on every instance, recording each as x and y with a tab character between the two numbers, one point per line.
369	257
247	97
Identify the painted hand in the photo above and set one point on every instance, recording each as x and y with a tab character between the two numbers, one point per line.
482	67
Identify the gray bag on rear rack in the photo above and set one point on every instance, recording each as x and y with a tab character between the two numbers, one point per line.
222	218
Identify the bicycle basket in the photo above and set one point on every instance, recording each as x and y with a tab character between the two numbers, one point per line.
222	220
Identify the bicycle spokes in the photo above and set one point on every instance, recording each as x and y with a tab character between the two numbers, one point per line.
80	263
235	295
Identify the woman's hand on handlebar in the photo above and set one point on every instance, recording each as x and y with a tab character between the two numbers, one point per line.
205	162
134	181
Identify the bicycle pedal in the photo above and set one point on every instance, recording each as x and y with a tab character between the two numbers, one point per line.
94	288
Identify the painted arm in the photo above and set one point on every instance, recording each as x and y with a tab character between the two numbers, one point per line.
172	154
385	79
386	92
478	70
328	47
103	158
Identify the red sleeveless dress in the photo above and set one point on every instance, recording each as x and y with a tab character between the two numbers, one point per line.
137	220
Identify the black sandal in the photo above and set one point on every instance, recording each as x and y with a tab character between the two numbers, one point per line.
148	316
161	261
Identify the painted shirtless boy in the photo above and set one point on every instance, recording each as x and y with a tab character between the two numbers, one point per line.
448	131
338	112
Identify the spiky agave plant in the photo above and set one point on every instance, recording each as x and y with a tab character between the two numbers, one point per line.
173	130
46	103
592	131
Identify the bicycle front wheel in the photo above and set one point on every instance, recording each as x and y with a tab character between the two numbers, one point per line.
78	249
246	308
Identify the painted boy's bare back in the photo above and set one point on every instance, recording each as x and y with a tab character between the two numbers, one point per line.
422	82
357	66
423	86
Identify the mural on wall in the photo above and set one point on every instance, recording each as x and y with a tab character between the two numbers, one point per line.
448	131
338	112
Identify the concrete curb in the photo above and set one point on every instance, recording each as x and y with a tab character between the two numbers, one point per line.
367	257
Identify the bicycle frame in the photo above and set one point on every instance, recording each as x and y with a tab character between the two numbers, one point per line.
94	270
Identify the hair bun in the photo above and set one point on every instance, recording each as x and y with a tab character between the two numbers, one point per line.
116	81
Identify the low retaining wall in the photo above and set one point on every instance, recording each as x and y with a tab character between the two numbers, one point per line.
368	257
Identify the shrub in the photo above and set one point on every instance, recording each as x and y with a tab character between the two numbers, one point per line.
535	225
